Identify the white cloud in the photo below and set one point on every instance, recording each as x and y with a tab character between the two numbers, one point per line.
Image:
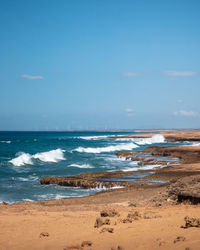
180	101
130	74
179	73
128	110
186	113
31	77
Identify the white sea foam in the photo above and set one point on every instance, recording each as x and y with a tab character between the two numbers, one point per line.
127	146
22	159
143	141
29	178
23	179
140	168
96	137
50	156
8	142
27	200
93	137
195	144
118	159
60	196
101	188
81	166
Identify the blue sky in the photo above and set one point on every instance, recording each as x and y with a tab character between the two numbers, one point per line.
96	64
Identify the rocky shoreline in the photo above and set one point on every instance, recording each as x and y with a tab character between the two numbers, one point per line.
183	170
171	135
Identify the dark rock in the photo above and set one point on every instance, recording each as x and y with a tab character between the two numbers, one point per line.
99	222
76	247
5	203
44	234
186	189
191	222
134	215
118	248
132	205
127	220
131	217
107	229
109	213
179	238
86	180
86	244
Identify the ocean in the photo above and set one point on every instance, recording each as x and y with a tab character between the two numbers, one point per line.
26	157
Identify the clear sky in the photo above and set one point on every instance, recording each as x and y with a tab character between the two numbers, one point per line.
97	64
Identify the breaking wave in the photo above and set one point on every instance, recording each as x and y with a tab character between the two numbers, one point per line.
81	166
96	137
22	159
8	142
93	137
50	156
196	144
143	141
127	146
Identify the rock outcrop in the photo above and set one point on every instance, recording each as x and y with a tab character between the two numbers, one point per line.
82	182
170	135
191	222
186	189
187	154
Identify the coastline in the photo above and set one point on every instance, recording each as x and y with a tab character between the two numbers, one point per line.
66	223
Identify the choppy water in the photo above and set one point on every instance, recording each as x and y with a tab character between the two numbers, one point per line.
26	157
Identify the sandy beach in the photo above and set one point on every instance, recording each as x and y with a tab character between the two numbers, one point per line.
140	216
67	227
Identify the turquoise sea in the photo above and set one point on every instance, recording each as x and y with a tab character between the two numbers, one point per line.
26	157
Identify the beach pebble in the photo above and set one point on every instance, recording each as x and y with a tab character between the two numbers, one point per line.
107	229
179	238
191	222
4	203
44	234
162	243
86	244
132	205
99	222
118	248
109	213
77	247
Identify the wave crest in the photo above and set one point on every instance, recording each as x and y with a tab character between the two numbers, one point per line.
8	142
50	156
22	159
143	141
81	166
127	146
